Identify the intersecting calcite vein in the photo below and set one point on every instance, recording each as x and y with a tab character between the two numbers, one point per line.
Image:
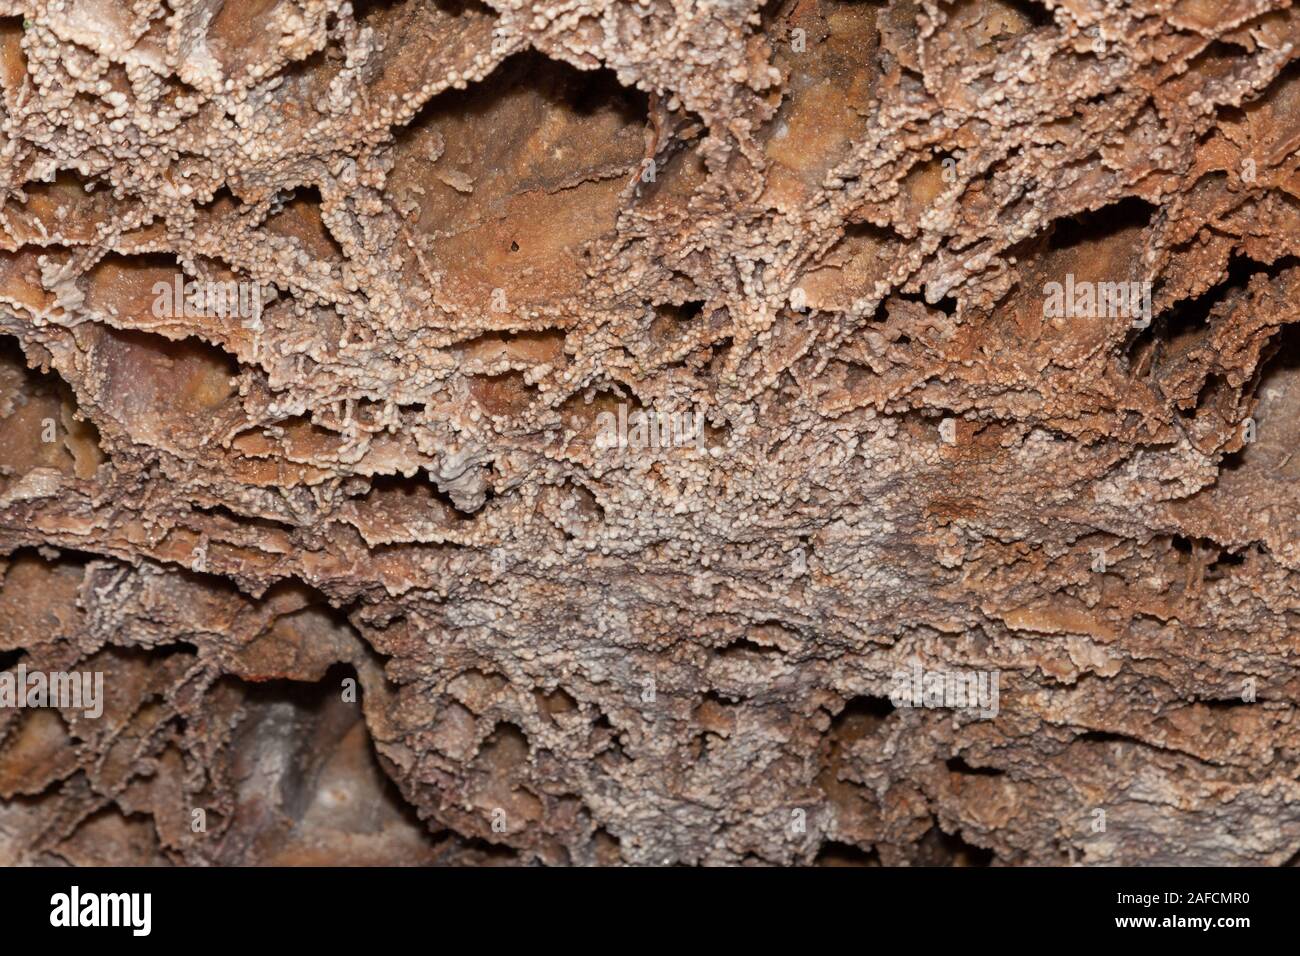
376	510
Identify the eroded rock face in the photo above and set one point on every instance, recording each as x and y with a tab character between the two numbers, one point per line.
644	404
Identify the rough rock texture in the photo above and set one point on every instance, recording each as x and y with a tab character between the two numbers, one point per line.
827	226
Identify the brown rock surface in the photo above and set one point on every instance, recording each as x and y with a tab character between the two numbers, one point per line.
467	236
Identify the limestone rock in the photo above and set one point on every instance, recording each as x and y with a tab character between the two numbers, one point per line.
608	432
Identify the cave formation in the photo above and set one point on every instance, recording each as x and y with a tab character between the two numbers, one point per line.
811	432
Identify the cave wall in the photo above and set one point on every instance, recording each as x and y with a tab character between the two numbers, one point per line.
970	328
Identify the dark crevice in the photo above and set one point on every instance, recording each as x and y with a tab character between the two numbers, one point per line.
1275	383
1100	224
488	853
1228	703
959	765
948	305
743	648
322	719
1220	567
1191	315
580	93
244	520
940	848
401	492
1037	14
298	217
1106	737
835	853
